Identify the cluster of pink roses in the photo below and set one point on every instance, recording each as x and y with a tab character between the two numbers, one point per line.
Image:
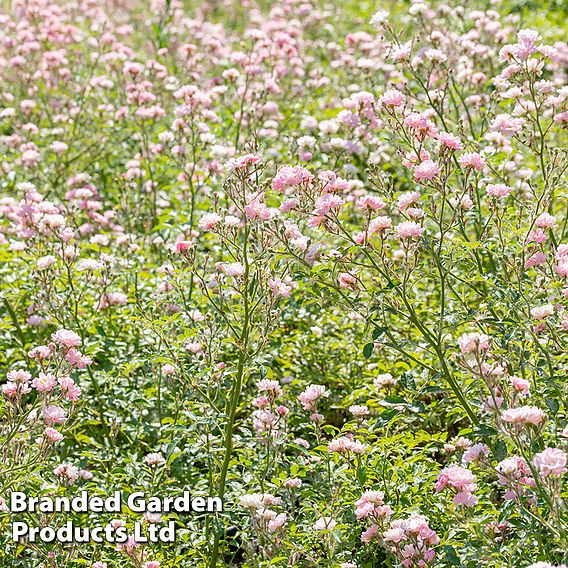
515	474
310	396
346	444
371	506
52	387
461	481
265	519
268	419
68	473
411	540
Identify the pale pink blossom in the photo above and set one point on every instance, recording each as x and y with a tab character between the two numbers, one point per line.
370	534
53	435
473	342
409	229
475	453
280	287
54	415
194	347
290	177
542	312
45	261
257	209
235	269
345	444
392	98
67	471
520	385
66	338
243	162
347	280
359	411
526	44
449	141
461	481
326	203
371	505
537	236
545	221
506	124
498	190
370	202
325	523
472	160
15	390
154	459
536	259
168	369
293	483
550	462
20	376
76	359
406	199
379	224
271	387
44	382
209	221
309	397
420	124
427	170
277	522
523	415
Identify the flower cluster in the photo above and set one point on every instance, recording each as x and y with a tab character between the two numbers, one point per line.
305	258
460	480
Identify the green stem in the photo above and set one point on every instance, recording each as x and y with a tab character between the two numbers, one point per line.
235	395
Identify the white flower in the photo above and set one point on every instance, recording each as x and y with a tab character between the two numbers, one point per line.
251	501
379	18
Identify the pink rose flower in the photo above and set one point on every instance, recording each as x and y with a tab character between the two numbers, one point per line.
551	461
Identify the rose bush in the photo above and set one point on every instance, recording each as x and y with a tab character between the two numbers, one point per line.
309	257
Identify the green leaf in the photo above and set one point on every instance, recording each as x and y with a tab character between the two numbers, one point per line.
407	381
500	450
484	431
394	399
451	555
388	415
378	331
553	405
368	350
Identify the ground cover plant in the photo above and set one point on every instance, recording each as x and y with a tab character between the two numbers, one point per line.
309	257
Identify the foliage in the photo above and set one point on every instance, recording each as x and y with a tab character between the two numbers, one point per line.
308	257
